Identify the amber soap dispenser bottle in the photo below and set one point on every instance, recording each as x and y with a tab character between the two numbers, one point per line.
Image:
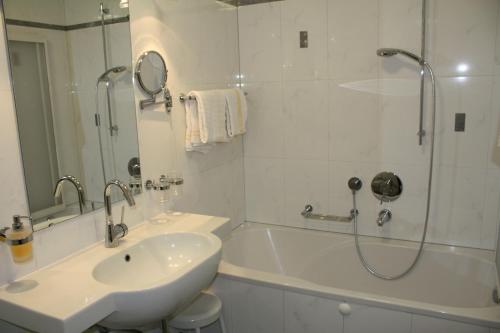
19	238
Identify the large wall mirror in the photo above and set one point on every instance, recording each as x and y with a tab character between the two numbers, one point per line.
71	68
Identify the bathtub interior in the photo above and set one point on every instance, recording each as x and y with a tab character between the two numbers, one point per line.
446	276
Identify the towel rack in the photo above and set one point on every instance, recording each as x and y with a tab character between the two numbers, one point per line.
308	214
184	97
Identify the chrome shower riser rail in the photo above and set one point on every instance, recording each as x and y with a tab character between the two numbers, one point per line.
308	214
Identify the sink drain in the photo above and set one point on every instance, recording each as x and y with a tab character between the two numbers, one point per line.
127	257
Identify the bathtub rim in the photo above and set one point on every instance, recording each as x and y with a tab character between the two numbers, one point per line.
484	316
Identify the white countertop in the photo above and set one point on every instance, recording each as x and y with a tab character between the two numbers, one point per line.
64	297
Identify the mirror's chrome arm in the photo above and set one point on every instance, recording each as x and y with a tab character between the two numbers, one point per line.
308	214
167	101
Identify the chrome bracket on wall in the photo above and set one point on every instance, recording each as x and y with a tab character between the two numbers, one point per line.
308	214
167	101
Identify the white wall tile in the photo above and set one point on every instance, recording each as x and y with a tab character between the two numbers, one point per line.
260	42
352	39
489	226
458	206
306	182
256	308
463	39
69	237
309	314
304	63
355	124
400	27
306	119
264	188
422	324
265	135
472	96
399	121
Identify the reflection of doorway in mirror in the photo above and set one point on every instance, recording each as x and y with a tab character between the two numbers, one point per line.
36	124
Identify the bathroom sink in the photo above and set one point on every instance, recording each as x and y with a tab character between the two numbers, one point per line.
158	275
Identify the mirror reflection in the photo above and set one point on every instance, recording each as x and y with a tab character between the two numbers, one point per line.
71	71
151	72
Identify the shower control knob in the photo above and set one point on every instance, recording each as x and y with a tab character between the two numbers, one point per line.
344	309
355	183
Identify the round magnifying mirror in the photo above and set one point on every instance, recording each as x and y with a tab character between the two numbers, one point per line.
151	72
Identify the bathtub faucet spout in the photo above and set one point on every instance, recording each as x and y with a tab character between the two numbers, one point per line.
384	216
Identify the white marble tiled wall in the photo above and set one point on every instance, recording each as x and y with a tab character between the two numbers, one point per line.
322	114
199	41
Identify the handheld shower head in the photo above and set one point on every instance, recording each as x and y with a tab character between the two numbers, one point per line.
389	52
115	70
386	52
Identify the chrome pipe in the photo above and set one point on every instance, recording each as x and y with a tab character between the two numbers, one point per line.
112	128
389	52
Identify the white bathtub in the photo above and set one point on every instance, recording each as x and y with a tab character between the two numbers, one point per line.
449	282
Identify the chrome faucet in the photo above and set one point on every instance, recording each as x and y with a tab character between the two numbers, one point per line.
79	189
384	216
115	232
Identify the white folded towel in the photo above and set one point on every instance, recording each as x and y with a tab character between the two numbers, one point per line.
212	115
193	140
236	112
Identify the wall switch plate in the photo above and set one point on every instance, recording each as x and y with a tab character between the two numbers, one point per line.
459	122
303	39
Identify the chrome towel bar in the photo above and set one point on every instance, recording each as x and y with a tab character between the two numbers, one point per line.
184	97
308	214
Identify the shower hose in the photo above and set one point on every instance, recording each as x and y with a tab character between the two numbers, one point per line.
364	262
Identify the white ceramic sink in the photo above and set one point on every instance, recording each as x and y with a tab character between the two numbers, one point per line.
158	275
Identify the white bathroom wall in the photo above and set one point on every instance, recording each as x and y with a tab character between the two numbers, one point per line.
322	114
199	41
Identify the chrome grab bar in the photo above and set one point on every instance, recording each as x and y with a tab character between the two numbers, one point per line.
308	214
